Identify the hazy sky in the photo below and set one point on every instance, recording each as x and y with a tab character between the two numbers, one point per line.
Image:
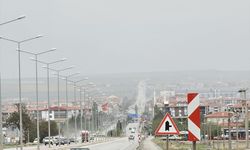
113	36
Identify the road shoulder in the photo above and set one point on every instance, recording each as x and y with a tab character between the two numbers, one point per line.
148	144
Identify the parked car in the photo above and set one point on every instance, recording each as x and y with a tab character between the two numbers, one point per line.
46	140
217	138
131	137
35	141
58	141
72	140
225	137
66	141
175	137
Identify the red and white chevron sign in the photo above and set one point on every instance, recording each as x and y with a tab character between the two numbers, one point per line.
193	117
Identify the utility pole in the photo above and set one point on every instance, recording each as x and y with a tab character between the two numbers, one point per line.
229	133
223	134
246	115
237	131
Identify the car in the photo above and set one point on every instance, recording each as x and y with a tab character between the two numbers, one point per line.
217	138
66	141
58	141
46	140
225	137
133	130
72	140
131	137
175	137
35	141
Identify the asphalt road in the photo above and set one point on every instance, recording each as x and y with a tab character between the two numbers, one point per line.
119	144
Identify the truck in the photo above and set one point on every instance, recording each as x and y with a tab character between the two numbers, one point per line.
85	136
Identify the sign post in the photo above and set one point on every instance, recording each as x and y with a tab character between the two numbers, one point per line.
167	141
167	127
193	118
194	145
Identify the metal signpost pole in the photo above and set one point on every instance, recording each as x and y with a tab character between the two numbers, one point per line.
194	145
167	142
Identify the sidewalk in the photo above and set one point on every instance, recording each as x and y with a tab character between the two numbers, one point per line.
149	145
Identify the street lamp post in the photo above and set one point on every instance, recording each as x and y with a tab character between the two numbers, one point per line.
229	132
223	134
58	97
12	20
246	115
237	130
85	121
19	80
37	112
90	116
80	95
1	121
48	94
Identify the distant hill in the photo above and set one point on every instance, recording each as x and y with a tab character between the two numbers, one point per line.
125	84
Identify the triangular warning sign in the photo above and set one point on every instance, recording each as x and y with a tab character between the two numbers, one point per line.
167	126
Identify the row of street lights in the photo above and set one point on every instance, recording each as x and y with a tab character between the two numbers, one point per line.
1	134
19	50
19	78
